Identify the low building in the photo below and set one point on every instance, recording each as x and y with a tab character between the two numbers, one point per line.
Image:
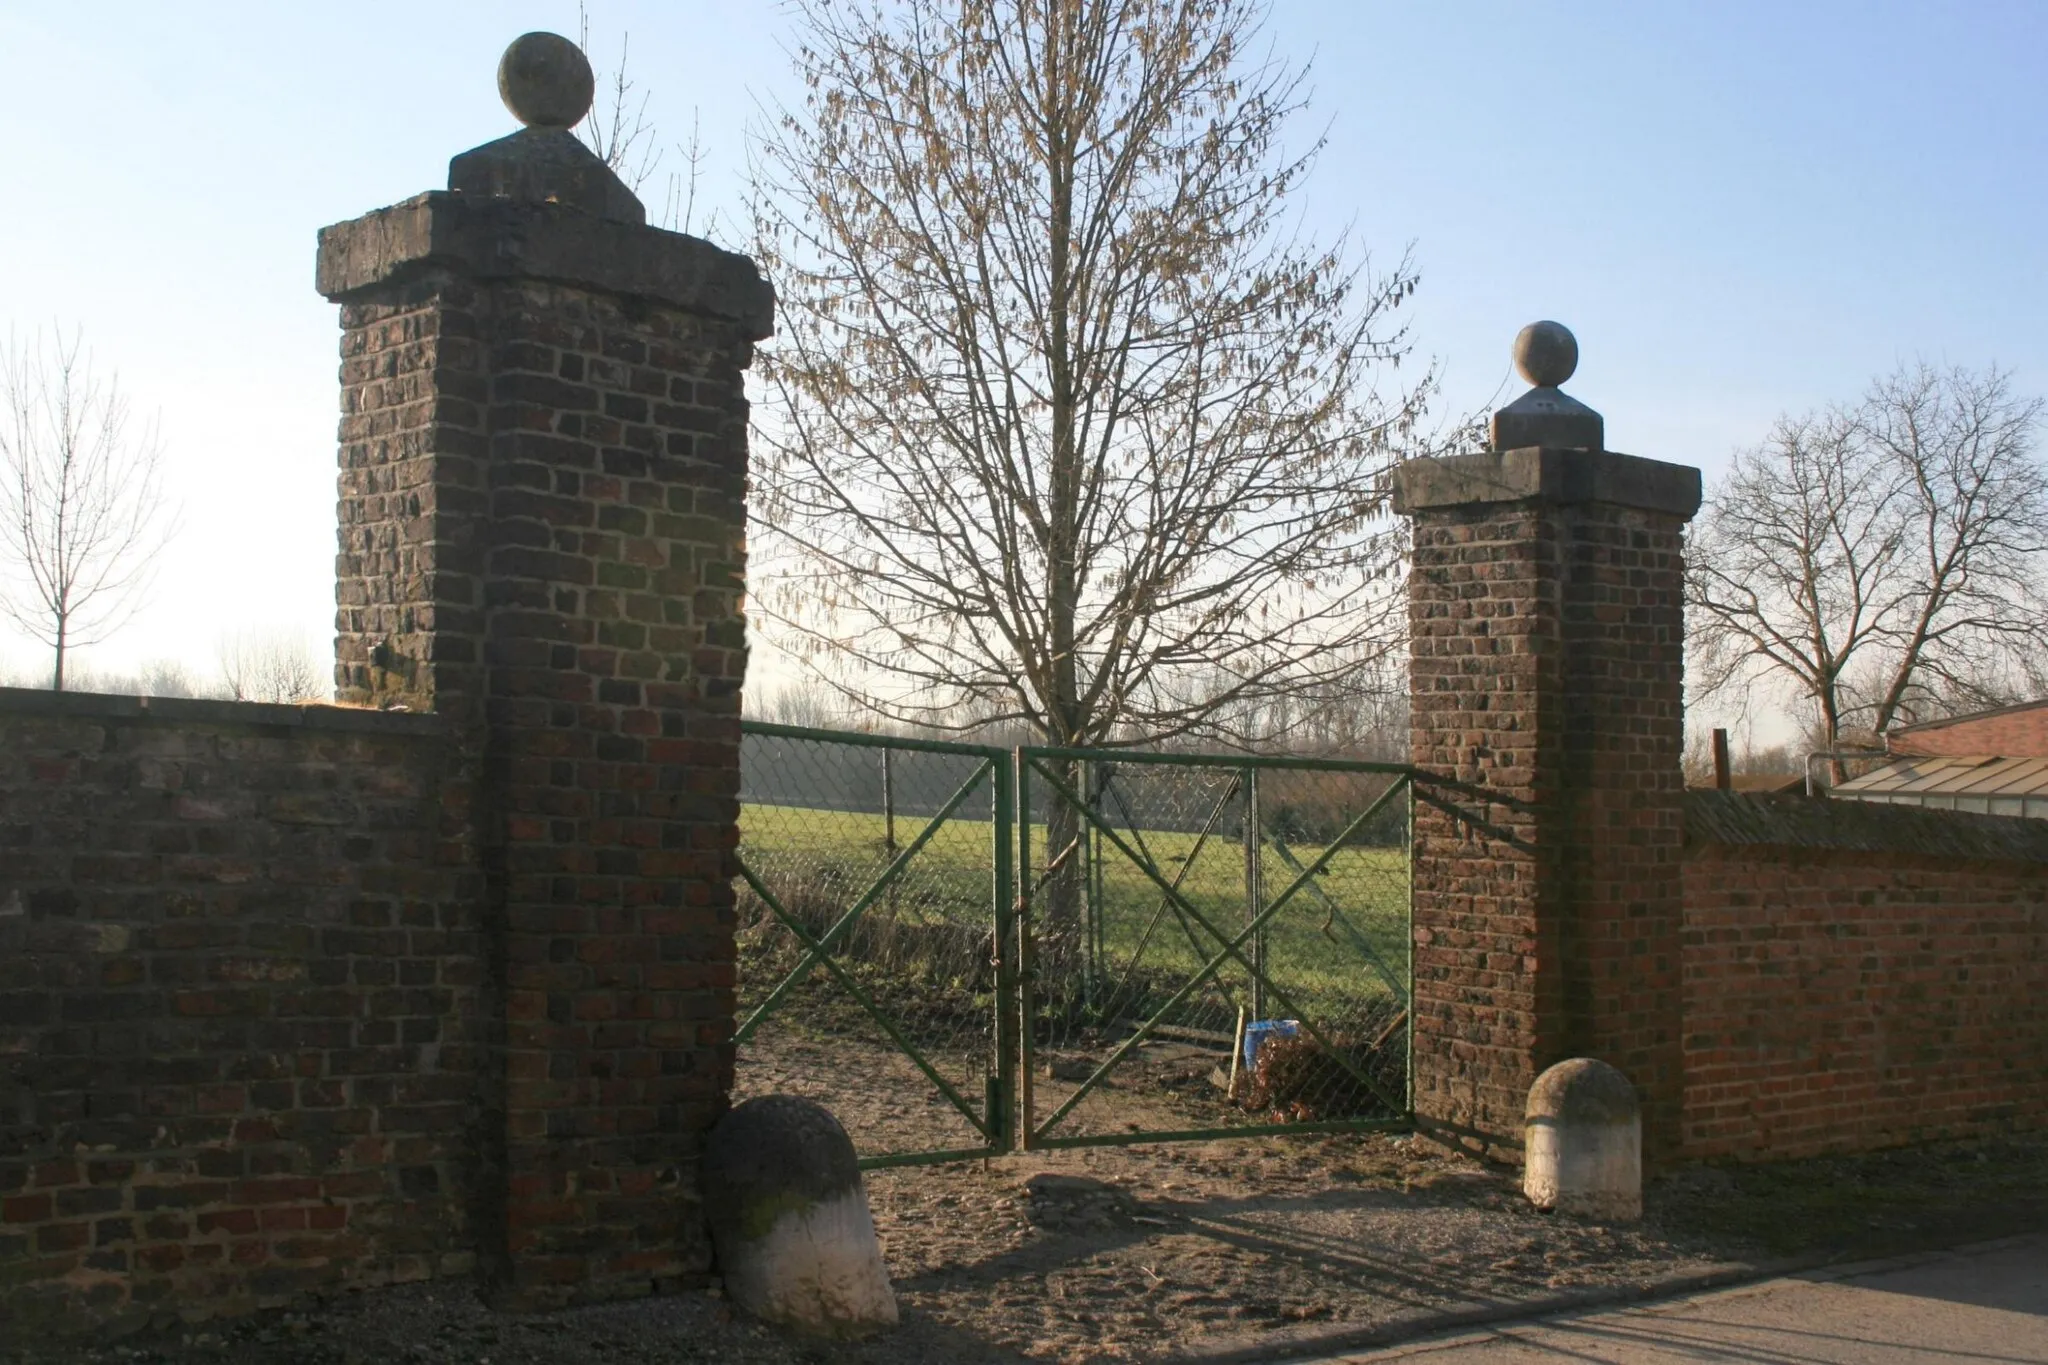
1990	762
2010	731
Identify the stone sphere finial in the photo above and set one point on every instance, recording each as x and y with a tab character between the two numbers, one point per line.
545	80
1546	353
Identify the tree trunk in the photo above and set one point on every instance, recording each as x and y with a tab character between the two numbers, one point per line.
1831	732
1060	928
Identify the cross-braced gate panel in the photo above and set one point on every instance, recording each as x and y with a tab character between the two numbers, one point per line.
1210	946
873	913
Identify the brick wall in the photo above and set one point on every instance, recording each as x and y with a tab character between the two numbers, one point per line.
617	502
1860	976
2020	732
304	996
298	996
1545	675
239	1034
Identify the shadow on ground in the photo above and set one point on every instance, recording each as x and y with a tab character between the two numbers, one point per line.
1202	1251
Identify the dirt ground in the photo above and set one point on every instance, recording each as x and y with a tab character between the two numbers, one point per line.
1156	1250
1169	1252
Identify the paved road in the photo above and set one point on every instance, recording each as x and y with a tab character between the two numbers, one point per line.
1987	1305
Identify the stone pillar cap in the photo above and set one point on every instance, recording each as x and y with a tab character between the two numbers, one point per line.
497	239
1547	354
1544	474
1547	447
545	80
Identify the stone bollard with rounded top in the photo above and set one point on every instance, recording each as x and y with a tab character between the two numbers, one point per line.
789	1220
1583	1152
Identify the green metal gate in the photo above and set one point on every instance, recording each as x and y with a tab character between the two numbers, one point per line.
874	932
962	950
1210	946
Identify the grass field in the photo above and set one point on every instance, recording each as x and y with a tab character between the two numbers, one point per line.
1317	948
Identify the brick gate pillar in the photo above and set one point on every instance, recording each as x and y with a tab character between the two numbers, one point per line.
543	473
1546	673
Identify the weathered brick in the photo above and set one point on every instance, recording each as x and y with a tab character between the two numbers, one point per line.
546	669
1546	676
1842	999
193	1035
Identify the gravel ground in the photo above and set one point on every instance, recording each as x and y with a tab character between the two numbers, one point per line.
1165	1252
1104	1255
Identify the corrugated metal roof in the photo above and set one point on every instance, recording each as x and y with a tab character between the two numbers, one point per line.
1951	775
1717	817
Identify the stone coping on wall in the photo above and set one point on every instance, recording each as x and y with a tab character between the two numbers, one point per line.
35	701
1793	821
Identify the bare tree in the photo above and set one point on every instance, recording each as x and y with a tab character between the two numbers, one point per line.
1746	758
679	210
269	666
1882	563
616	128
804	702
167	678
1068	425
82	507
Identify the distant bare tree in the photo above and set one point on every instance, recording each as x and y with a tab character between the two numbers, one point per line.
617	130
167	678
82	506
1069	427
804	703
155	678
1745	758
1883	563
270	666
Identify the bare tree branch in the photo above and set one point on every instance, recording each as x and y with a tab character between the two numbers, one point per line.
1068	425
616	127
617	130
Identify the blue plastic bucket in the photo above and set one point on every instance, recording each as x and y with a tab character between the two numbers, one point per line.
1259	1030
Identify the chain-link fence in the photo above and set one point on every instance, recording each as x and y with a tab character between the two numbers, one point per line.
875	881
1206	944
1211	945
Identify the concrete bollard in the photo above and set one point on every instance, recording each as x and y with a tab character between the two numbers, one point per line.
1583	1143
789	1220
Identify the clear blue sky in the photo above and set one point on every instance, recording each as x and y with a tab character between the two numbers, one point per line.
1741	209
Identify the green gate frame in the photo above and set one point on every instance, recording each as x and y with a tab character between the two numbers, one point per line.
996	766
1008	1120
1032	761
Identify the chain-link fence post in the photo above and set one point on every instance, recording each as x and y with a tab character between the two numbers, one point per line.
1004	836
